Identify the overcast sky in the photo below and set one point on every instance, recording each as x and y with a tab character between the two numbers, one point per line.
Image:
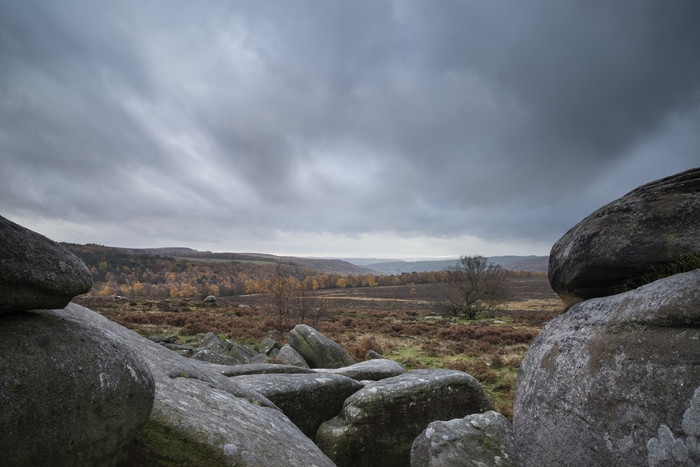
370	128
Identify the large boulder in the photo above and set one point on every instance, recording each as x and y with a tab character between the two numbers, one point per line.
613	380
307	399
289	356
318	350
36	272
197	409
70	393
483	439
372	370
379	422
652	229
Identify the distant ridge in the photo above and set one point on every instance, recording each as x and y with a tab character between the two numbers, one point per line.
328	266
512	262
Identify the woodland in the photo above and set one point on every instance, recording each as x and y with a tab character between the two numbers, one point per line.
184	273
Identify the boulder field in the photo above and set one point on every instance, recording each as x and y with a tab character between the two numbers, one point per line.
78	389
613	381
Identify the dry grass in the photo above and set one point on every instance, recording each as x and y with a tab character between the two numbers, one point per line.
383	320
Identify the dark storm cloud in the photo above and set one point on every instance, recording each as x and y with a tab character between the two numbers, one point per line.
201	121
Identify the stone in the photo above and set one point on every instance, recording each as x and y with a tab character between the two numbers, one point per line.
268	345
36	272
209	356
210	299
195	405
261	369
213	342
307	399
230	353
291	357
70	392
484	439
379	423
318	350
259	358
605	379
372	355
629	242
372	370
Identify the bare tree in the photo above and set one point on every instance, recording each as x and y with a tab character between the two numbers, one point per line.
280	291
290	302
476	285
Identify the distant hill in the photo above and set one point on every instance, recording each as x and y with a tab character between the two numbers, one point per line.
328	266
528	263
513	263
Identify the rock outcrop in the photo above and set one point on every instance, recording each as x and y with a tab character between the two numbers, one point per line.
378	424
650	230
196	405
614	381
318	350
372	370
70	393
307	399
36	272
484	439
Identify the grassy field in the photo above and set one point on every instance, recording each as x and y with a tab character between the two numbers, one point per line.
402	323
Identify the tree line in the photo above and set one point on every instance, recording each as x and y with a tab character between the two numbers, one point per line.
115	272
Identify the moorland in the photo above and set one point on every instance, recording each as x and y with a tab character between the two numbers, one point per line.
403	322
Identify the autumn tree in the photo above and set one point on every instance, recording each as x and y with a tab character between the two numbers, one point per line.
476	285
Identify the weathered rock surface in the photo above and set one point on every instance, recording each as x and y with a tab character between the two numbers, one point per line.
622	244
229	353
209	356
70	393
318	350
307	399
36	272
372	370
378	424
194	401
268	345
484	439
291	357
261	369
614	381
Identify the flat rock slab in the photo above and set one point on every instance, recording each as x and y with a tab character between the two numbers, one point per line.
70	393
36	272
260	369
379	423
484	439
372	370
194	401
318	350
307	399
613	380
625	243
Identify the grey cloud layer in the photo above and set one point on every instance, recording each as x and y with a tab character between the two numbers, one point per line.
437	118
